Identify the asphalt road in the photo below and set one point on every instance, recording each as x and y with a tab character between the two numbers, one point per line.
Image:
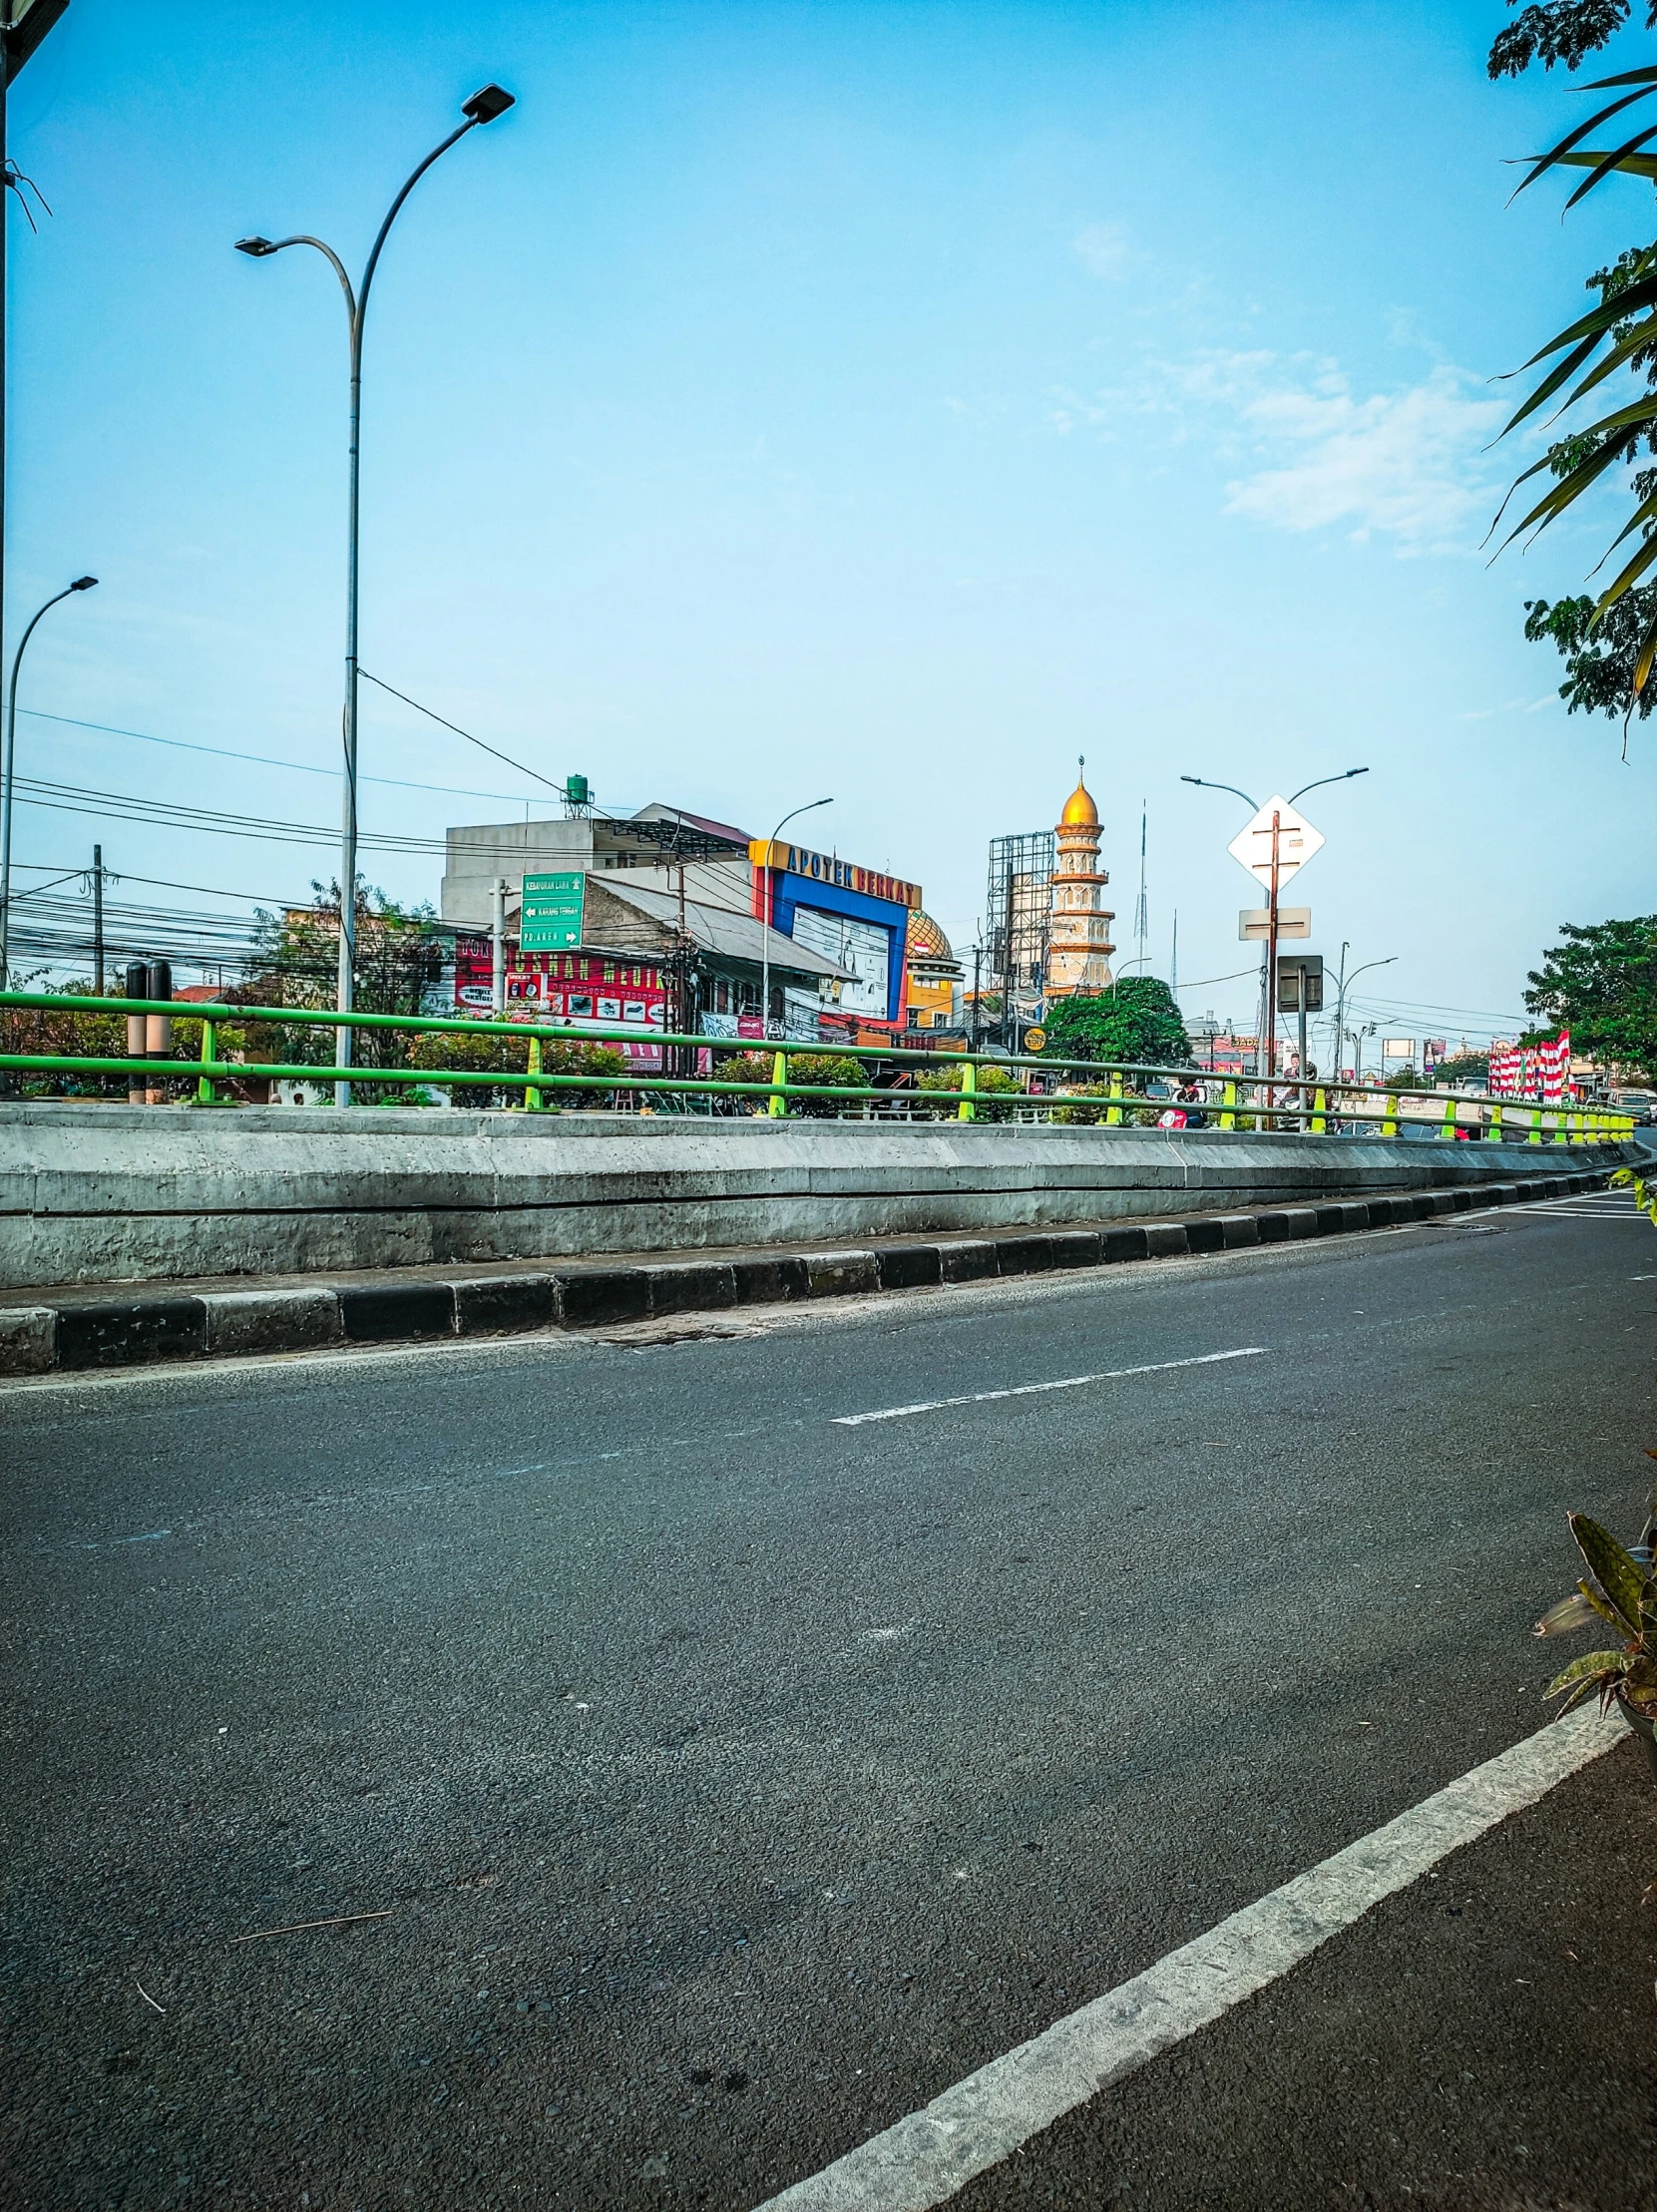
731	1779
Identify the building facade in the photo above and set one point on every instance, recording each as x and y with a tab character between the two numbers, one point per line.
1078	944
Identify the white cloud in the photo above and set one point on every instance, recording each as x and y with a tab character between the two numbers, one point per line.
1407	464
1104	249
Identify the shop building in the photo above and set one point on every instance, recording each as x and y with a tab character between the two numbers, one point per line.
855	918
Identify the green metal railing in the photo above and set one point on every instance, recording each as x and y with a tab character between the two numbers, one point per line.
1243	1103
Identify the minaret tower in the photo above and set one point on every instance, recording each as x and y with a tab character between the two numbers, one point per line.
1080	947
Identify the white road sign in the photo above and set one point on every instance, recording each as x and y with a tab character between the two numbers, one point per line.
1297	841
1254	924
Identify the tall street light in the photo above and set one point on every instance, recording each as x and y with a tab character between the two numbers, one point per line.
1343	986
1317	784
810	807
483	107
81	584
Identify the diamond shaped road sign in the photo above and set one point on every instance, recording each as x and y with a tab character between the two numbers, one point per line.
1297	841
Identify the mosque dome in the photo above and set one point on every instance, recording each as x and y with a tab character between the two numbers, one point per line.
925	940
1080	811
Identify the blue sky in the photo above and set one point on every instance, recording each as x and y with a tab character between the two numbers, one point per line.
892	401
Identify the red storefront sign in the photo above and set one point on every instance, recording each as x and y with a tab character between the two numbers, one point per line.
571	990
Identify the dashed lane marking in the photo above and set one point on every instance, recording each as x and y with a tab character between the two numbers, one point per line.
1031	1390
927	2158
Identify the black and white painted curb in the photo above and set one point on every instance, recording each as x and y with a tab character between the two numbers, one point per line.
148	1325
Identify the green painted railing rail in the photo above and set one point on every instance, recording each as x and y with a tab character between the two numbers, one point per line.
1282	1103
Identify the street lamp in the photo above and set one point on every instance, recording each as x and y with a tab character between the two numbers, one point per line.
81	584
483	107
1341	985
1317	784
810	807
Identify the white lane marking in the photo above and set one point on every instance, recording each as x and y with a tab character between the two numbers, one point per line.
1029	1389
925	2159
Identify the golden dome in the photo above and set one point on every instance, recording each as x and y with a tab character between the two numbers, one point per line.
1080	811
926	941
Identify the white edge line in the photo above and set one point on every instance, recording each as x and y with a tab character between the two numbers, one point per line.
927	2157
1031	1390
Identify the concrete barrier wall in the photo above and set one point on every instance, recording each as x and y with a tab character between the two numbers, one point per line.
109	1194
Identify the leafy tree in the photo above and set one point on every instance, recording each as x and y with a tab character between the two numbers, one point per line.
994	1088
1609	642
835	1069
1601	984
1138	1021
296	962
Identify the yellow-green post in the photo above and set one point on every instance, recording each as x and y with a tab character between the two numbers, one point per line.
780	1073
205	1091
1114	1112
1535	1136
1228	1110
533	1098
967	1111
1448	1129
1318	1103
1388	1124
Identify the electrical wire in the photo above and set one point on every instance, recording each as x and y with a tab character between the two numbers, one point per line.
297	767
466	733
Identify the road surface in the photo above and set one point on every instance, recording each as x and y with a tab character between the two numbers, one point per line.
705	1777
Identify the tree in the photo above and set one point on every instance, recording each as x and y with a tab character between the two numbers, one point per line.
1137	1023
1609	642
1601	985
297	961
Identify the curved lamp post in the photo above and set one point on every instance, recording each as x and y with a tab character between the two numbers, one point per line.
81	584
810	807
1342	987
1317	784
483	107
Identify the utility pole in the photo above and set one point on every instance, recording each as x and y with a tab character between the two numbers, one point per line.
497	947
977	986
98	921
1271	952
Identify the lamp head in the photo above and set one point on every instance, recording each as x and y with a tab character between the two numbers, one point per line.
82	584
485	105
258	248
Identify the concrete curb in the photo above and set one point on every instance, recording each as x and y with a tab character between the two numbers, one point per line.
144	1327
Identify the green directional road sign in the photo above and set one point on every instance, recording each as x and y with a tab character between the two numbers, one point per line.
550	917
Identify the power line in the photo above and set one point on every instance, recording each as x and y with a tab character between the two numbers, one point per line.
466	733
296	768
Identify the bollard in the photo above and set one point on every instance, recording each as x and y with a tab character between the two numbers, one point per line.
1389	1123
1228	1109
206	1095
1320	1102
135	987
158	1028
1448	1129
780	1073
534	1096
967	1111
1496	1124
1113	1112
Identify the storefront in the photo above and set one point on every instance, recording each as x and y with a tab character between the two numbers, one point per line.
858	916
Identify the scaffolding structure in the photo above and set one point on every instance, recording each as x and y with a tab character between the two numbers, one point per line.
1017	916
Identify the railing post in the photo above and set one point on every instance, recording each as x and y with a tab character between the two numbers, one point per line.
1448	1129
534	1096
1535	1135
1320	1102
206	1095
1388	1120
967	1111
1114	1112
1228	1107
780	1073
